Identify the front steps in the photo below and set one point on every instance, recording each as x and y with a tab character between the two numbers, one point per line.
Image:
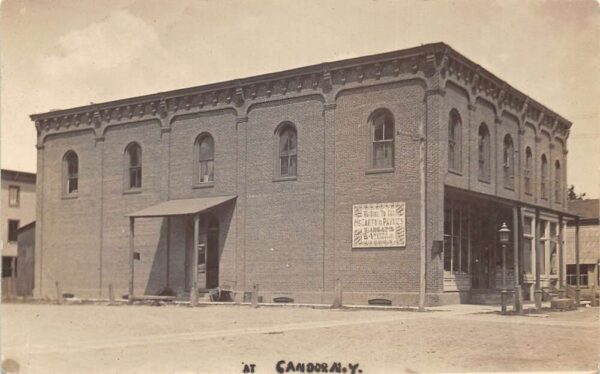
486	297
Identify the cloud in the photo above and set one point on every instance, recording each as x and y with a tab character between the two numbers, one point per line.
115	42
118	57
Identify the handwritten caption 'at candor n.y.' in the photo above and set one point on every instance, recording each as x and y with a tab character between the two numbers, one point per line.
284	366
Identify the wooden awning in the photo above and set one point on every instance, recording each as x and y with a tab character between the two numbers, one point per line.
181	207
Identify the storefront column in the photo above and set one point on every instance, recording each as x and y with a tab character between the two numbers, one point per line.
538	261
577	270
561	260
517	230
131	257
194	265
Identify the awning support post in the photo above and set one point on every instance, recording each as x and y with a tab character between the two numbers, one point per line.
131	257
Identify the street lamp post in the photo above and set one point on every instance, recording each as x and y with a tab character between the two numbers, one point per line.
504	235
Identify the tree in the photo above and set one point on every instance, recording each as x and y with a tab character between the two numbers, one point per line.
572	195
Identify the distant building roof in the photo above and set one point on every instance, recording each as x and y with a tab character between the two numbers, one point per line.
587	210
20	176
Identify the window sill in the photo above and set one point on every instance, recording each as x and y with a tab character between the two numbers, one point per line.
203	185
132	191
509	188
70	197
283	179
380	171
454	171
484	181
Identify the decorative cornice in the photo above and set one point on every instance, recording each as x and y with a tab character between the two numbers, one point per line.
424	61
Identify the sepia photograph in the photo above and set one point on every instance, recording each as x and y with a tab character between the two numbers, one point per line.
315	186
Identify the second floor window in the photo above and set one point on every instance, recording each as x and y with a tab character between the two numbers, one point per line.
528	170
544	178
508	160
13	227
71	173
454	141
382	140
484	153
133	157
288	151
13	196
205	159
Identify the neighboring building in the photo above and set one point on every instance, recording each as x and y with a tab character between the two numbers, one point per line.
589	244
26	260
18	209
294	179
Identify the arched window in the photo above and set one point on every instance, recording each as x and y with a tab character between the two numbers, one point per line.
454	141
528	170
71	173
508	159
382	140
544	178
484	153
557	182
133	166
205	159
287	151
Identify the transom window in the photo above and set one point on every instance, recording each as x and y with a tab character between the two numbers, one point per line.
508	158
528	170
484	153
454	141
133	156
287	165
544	178
70	173
382	140
205	159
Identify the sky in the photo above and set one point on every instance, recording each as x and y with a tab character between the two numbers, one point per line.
57	54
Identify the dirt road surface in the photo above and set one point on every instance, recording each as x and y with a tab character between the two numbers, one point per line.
228	339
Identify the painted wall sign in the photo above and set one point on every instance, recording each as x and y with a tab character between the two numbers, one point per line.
379	225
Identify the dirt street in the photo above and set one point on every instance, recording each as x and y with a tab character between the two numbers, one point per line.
229	339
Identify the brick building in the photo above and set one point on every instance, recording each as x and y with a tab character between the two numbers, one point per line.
18	209
391	172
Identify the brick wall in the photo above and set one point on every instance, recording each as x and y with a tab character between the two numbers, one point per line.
292	237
